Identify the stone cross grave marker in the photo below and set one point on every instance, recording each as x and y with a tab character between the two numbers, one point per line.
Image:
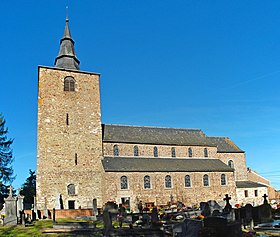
10	209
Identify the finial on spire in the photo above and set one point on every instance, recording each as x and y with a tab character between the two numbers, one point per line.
67	19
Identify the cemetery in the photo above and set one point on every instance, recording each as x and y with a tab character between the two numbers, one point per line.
175	219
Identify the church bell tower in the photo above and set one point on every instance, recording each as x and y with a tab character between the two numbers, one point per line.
69	143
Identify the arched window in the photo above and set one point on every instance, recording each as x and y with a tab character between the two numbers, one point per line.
147	182
205	152
173	152
205	180
69	84
190	152
136	151
168	181
124	182
155	151
116	150
231	164
188	181
223	179
71	189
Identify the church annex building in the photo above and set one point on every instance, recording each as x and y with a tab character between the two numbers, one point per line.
81	161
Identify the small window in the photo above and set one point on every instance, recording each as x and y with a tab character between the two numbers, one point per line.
256	193
205	152
76	159
147	182
246	193
223	179
168	181
69	84
71	204
205	180
173	152
190	152
187	181
136	151
116	150
230	164
155	151
124	182
71	189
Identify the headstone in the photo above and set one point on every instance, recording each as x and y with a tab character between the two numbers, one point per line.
94	208
228	207
10	209
205	209
265	214
45	209
57	201
107	217
154	216
140	207
213	205
249	215
19	204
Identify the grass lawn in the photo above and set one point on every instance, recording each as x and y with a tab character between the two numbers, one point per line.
35	230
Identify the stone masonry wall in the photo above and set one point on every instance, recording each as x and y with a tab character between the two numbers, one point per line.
161	195
68	154
145	150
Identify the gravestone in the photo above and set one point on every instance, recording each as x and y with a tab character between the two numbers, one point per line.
110	208
228	207
19	204
10	209
45	215
249	215
214	206
205	209
154	216
265	211
94	209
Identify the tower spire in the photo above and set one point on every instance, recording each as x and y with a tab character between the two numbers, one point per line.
66	57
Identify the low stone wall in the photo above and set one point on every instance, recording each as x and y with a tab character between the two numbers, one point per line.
64	213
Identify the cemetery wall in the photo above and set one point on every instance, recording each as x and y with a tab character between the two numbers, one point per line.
161	195
146	150
67	121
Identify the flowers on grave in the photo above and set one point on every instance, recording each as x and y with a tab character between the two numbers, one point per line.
237	205
200	217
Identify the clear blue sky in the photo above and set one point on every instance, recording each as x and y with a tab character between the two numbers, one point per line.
213	65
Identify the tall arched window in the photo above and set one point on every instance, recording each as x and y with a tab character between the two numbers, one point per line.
136	151
71	189
188	181
205	152
69	84
155	151
116	150
223	179
168	181
190	152
173	152
124	182
147	182
231	164
205	180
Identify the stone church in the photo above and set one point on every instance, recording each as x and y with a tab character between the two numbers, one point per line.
81	161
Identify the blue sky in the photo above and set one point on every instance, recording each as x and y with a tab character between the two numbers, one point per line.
213	65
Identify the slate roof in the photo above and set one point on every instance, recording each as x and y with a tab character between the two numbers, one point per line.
125	164
165	136
249	184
